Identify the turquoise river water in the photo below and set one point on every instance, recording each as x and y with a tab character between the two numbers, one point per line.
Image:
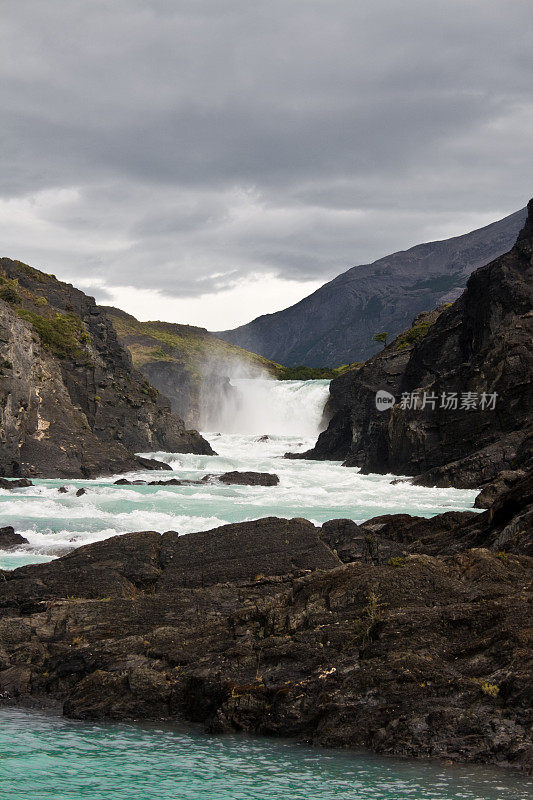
49	758
42	756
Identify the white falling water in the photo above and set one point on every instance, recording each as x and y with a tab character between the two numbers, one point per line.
264	406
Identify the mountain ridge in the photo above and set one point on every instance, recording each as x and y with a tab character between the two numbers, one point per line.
336	324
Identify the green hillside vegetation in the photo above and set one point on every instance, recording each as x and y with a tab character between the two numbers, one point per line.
413	335
63	334
188	345
303	373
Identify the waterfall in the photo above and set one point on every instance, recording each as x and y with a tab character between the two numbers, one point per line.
265	406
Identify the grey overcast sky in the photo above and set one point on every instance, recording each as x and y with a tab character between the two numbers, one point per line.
206	161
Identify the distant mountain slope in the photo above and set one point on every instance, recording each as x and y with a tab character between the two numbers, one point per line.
337	323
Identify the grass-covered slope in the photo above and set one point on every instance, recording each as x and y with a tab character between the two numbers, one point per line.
185	344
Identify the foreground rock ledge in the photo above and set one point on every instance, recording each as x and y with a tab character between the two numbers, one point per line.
261	627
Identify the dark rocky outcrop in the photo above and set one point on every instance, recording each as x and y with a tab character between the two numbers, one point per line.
507	526
148	561
169	482
17	483
244	478
482	343
337	323
380	539
71	405
243	551
260	627
9	540
492	491
352	542
228	478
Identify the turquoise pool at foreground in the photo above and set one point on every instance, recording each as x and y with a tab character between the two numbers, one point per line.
45	757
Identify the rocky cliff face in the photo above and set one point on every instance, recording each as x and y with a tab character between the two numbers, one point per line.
71	403
481	344
415	645
337	323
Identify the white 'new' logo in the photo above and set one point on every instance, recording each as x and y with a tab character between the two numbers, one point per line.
384	400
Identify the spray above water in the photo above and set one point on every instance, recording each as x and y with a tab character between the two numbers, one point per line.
264	406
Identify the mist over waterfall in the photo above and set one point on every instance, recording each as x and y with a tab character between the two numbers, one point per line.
265	406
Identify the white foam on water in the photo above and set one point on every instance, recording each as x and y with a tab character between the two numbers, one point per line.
318	490
267	406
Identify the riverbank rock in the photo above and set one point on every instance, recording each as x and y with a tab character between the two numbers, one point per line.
9	540
352	542
71	403
507	526
18	483
482	343
491	491
260	627
244	478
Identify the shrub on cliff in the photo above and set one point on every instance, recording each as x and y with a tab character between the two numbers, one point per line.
413	335
62	334
8	291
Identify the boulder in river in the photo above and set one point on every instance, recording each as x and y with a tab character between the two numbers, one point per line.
245	478
9	540
169	482
18	483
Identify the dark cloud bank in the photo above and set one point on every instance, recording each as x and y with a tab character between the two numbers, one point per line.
187	145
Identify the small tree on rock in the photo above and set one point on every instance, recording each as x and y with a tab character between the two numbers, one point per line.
381	337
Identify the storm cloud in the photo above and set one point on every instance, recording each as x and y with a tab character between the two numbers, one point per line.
184	148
